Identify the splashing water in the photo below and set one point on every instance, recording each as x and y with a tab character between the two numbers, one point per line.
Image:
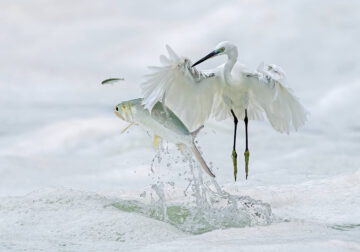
206	206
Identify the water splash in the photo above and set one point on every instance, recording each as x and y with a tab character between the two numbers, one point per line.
204	206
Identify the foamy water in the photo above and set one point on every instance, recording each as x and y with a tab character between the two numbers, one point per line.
69	181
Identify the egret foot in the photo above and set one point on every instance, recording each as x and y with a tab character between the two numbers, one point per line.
247	155
234	157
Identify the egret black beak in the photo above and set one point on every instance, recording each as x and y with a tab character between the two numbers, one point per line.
210	55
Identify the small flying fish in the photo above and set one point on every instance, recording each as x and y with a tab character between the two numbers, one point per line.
111	81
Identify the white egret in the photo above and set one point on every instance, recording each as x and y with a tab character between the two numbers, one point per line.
228	90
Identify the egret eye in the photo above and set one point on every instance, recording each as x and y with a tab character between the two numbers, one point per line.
220	50
117	109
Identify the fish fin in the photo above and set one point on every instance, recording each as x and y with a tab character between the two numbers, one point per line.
202	162
157	140
195	132
127	127
181	147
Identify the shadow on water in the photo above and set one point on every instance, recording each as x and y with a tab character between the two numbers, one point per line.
207	207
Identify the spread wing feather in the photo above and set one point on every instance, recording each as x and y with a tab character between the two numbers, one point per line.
281	107
188	92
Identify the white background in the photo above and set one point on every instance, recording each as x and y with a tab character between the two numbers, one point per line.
59	138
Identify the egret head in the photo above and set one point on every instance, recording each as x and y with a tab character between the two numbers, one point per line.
124	111
224	47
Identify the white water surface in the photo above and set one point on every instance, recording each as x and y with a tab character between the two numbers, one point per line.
69	181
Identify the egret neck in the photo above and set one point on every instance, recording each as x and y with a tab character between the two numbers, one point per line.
232	57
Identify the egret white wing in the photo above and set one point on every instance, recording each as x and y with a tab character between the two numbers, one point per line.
282	108
188	92
272	71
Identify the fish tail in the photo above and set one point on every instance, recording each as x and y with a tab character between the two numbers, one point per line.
195	132
200	159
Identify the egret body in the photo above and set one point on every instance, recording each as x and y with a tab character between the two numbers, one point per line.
228	90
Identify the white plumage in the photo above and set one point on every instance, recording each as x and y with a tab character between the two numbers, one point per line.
188	93
229	89
194	95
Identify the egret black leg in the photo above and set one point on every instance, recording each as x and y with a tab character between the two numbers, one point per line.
246	153
234	154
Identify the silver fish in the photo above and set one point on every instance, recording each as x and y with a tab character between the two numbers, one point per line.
163	123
